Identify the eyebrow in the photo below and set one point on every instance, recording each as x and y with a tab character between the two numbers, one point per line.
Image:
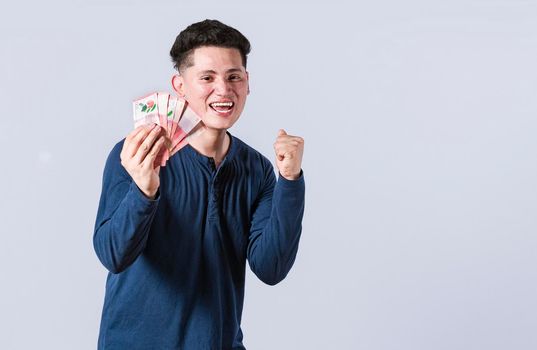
210	71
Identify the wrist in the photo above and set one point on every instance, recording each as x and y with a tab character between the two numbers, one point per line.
151	195
293	176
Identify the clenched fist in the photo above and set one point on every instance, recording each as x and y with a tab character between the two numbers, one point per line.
289	150
138	155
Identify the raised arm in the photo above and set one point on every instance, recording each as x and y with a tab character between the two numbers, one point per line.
129	199
277	219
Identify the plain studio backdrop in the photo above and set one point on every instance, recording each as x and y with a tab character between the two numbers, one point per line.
420	163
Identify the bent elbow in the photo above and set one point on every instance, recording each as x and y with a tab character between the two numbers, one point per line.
273	280
268	277
117	268
111	261
114	267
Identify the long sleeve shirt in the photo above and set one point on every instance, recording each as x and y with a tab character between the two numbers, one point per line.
177	263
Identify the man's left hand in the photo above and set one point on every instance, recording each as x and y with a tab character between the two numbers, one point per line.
289	150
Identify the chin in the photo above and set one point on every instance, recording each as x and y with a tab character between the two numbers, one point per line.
219	123
218	126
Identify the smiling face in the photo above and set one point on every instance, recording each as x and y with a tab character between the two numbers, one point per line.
215	85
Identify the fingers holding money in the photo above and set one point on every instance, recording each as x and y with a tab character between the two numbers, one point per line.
139	157
151	156
134	139
146	144
128	149
139	143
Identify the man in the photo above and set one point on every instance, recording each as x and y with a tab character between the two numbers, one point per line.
176	239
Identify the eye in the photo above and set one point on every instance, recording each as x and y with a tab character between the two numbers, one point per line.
235	77
206	78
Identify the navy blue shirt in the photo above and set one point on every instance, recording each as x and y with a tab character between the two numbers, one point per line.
177	263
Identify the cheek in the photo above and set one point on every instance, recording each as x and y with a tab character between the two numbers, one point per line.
243	93
197	90
244	90
202	90
197	96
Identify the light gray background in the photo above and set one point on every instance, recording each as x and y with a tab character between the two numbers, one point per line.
420	126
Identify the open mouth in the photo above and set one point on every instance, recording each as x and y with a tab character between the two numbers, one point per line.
222	107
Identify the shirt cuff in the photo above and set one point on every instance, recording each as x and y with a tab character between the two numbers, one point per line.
282	181
141	197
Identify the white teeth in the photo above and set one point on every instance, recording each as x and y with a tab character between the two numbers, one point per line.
222	104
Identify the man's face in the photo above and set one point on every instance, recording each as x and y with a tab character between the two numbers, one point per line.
215	86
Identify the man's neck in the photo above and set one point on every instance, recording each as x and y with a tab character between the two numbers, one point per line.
212	143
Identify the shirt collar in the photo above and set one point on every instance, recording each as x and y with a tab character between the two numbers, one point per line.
231	152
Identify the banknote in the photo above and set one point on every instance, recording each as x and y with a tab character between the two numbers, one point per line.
179	109
145	110
178	121
188	121
195	132
172	103
162	107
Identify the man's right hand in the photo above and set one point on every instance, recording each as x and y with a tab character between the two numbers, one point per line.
140	149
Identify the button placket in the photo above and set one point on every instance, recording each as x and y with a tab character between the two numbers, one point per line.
213	194
212	165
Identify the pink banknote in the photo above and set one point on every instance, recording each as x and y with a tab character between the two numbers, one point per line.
145	110
179	122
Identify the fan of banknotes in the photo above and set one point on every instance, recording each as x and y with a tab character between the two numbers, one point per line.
175	117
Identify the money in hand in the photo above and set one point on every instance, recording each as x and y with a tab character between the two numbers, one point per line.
178	121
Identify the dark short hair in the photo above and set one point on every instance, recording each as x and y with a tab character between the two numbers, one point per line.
209	32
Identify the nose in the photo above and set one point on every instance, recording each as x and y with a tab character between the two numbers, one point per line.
222	87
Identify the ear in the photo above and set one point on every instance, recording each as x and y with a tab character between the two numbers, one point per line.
248	81
178	85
